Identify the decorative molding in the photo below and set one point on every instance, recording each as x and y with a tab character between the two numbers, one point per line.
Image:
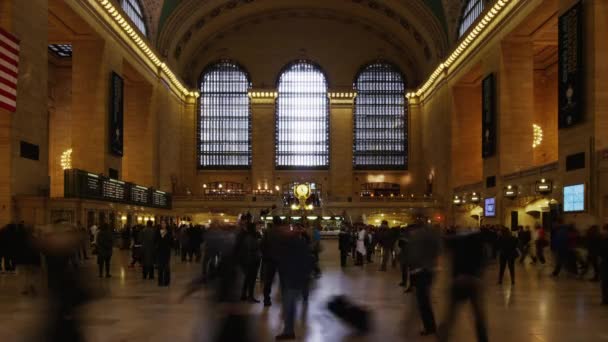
493	17
115	20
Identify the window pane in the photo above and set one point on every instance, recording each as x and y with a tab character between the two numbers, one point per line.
134	11
380	119
302	118
225	118
471	12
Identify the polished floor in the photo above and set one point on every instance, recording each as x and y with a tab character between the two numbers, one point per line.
538	308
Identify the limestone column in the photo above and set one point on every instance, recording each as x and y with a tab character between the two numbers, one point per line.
262	136
516	106
341	146
139	139
92	64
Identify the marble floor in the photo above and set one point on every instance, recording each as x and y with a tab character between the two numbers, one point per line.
538	308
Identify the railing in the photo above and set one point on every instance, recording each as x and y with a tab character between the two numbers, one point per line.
469	187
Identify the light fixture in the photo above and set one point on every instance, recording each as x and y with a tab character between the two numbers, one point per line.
537	137
312	218
277	188
327	218
66	159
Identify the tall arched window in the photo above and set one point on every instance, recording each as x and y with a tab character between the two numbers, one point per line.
224	118
470	13
302	118
134	10
380	118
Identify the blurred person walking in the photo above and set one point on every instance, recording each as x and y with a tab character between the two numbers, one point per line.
467	256
295	265
540	242
524	237
423	252
361	248
593	244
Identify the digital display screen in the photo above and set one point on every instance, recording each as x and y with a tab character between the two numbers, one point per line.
574	198
490	207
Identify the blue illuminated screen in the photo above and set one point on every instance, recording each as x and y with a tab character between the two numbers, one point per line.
490	207
574	198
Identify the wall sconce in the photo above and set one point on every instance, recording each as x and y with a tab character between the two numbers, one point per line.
457	200
544	186
66	159
537	137
475	198
510	191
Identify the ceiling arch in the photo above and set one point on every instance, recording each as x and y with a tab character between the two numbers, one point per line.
408	27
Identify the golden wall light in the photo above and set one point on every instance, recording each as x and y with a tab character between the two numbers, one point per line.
537	137
66	159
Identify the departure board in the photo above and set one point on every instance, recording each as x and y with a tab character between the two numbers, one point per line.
139	195
160	199
113	190
82	184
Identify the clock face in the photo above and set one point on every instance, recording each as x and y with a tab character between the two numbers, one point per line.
302	190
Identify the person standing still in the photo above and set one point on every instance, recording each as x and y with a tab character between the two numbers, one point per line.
507	246
105	244
164	255
148	250
343	245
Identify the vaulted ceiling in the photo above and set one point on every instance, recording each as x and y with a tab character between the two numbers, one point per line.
413	34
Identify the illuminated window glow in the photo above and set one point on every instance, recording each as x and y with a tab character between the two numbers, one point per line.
302	118
134	11
225	118
471	12
380	119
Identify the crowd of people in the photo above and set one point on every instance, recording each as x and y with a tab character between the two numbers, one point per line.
233	256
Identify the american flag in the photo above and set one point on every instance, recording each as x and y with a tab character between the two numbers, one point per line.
9	70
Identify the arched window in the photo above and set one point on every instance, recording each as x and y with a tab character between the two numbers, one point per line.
470	13
302	118
380	118
224	118
134	10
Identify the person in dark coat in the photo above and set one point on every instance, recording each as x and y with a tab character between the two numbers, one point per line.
248	248
105	243
559	243
405	272
295	264
163	251
148	250
467	251
604	264
269	248
593	241
344	245
507	247
9	236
